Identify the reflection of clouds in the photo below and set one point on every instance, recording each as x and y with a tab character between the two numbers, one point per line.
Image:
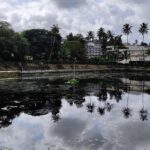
68	129
136	135
92	138
75	134
80	130
24	133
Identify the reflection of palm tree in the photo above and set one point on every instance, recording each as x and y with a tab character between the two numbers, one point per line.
108	107
103	93
118	94
90	106
143	114
55	117
79	102
127	111
143	111
101	110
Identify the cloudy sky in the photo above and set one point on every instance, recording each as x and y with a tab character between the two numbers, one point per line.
77	16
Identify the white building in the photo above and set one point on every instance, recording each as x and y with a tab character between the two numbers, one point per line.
93	49
136	54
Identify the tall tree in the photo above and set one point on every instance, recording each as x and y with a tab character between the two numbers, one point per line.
21	48
70	37
143	29
101	34
79	37
127	30
40	43
75	49
55	29
110	38
90	35
118	40
12	45
55	44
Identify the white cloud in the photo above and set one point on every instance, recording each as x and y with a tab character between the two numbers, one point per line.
76	16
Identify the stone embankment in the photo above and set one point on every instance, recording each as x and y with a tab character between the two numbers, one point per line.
66	71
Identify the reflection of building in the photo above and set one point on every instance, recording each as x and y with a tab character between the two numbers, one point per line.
136	54
93	49
136	85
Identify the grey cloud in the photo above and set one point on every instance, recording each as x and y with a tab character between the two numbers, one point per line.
87	15
73	128
2	17
137	1
138	133
70	3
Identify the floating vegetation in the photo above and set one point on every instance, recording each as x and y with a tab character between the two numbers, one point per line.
73	82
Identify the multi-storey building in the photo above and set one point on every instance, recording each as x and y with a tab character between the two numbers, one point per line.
136	54
93	49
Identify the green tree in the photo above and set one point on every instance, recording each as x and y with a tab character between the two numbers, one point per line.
65	54
90	35
127	30
143	29
39	43
101	34
55	29
12	46
6	41
118	41
5	25
21	48
70	37
77	50
110	38
77	37
55	44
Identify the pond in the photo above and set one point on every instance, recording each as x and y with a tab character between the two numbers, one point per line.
107	114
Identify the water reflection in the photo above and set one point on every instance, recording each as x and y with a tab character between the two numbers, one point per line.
37	104
87	116
126	110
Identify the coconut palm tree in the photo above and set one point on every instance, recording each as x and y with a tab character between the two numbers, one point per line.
90	35
55	29
55	38
143	29
127	30
102	36
101	33
110	36
109	33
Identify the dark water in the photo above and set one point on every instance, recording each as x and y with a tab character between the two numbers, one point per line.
98	114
